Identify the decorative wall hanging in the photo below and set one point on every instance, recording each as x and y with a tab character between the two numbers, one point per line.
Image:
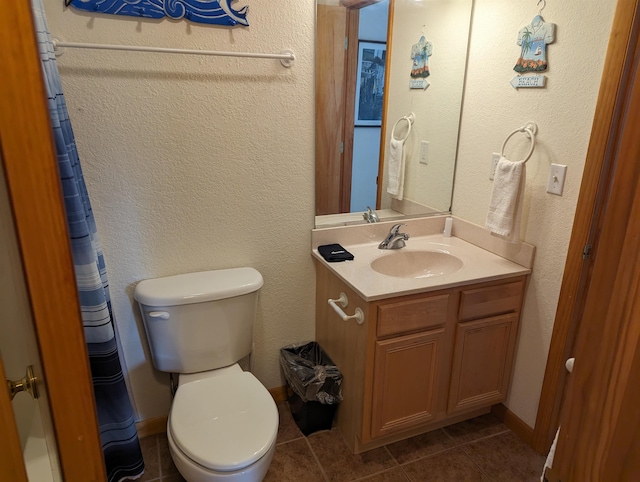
533	40
370	83
420	53
217	12
528	81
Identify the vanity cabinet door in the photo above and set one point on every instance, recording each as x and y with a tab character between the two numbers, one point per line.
482	360
408	386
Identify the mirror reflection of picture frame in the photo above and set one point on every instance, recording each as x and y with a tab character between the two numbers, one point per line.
370	83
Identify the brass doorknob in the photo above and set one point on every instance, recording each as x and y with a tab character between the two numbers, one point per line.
25	384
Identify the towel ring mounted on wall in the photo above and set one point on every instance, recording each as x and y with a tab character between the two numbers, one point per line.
410	120
530	129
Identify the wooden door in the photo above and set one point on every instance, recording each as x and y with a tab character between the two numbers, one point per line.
600	426
19	351
331	31
603	159
482	361
406	388
32	184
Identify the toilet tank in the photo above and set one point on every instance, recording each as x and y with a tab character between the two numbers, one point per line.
199	321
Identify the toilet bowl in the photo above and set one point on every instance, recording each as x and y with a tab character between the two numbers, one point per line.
223	422
223	426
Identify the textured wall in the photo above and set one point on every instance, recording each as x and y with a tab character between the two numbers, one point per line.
196	163
564	113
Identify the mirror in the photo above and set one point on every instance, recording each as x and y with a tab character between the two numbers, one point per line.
353	154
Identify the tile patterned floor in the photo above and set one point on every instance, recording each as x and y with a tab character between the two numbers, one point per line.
481	449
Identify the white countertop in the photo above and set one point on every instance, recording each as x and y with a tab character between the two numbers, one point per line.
479	265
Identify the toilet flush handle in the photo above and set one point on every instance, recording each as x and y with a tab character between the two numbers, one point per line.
158	314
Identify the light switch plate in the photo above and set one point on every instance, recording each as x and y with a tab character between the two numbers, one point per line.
424	152
495	157
557	173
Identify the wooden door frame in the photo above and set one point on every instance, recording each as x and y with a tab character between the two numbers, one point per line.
587	227
33	186
351	72
385	104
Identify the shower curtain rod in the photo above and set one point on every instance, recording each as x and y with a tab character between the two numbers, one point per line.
286	57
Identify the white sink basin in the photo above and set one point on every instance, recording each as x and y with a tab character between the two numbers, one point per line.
416	264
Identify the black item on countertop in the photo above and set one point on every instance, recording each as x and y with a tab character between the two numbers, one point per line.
334	253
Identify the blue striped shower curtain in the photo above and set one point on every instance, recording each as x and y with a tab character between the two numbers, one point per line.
118	435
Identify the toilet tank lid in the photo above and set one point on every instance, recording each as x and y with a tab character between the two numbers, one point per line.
184	289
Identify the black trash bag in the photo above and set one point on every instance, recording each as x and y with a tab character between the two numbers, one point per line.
311	374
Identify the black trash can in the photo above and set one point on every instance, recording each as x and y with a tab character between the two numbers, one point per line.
315	384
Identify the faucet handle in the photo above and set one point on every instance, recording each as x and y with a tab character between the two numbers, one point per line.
395	229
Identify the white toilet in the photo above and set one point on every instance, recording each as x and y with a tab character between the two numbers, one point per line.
223	422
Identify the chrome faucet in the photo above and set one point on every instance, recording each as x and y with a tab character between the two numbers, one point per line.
370	216
395	239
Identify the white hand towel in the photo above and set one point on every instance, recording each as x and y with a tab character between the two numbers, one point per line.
396	169
505	208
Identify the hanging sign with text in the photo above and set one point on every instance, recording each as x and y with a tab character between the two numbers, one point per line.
528	81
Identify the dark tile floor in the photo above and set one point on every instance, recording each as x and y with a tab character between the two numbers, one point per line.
481	449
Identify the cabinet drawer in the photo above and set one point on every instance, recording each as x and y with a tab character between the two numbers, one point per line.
413	315
490	300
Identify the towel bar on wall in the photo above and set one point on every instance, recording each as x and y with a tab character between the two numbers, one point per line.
530	129
286	57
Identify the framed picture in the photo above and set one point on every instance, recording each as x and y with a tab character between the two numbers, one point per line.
370	83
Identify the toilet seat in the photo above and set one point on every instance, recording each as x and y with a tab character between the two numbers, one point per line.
224	423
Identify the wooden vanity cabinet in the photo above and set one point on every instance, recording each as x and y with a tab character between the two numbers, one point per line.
418	362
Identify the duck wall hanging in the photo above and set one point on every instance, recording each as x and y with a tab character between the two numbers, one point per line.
533	40
216	12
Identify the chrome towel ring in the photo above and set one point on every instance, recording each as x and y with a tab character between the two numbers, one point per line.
530	129
410	120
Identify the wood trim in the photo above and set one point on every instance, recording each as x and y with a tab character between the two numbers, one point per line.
34	190
385	103
279	394
600	435
357	4
151	426
11	464
351	72
593	190
513	422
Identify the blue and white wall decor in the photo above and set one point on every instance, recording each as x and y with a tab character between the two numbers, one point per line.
217	12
